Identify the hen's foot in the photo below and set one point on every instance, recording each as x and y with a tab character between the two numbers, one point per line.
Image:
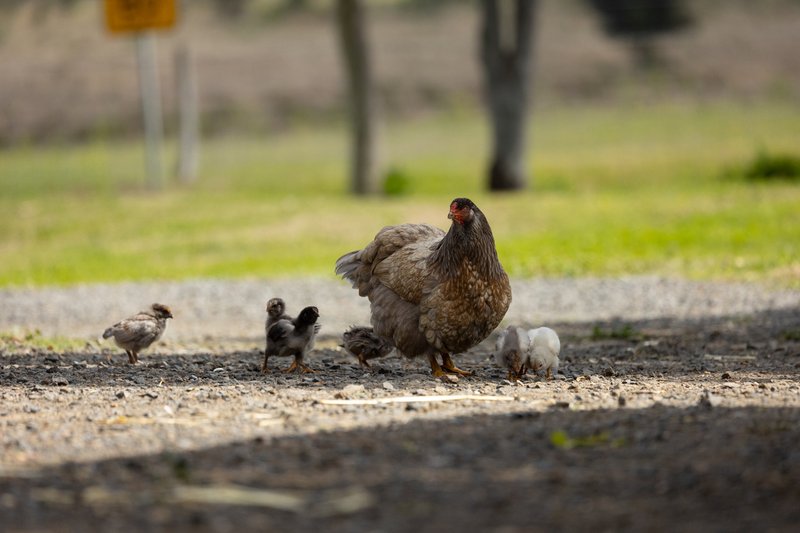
449	366
363	363
512	376
436	369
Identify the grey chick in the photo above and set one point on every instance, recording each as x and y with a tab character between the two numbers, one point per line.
136	333
511	351
293	337
362	342
276	310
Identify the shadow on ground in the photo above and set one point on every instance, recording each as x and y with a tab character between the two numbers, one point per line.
695	469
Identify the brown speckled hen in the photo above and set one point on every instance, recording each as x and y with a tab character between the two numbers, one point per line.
432	292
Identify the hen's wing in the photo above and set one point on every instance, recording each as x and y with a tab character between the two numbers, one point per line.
396	259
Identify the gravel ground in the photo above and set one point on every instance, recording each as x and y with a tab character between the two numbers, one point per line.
677	407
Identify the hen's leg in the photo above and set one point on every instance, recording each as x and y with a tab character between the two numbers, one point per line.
363	362
131	358
436	370
264	367
448	366
512	376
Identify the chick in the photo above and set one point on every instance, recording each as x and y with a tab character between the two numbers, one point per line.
292	337
276	310
511	351
136	333
545	348
364	344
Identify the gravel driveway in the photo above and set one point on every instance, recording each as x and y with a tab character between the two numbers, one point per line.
676	408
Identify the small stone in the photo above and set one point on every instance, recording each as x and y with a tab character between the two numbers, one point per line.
151	395
352	389
59	381
726	375
621	401
708	400
561	405
120	394
450	378
388	386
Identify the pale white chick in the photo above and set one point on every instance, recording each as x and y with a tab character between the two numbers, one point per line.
545	347
512	350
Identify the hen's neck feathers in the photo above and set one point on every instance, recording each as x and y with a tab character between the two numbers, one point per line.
472	241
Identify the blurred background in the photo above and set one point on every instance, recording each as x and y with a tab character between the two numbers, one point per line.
658	141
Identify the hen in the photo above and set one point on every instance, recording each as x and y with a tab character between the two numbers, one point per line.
364	344
136	333
292	337
511	351
432	292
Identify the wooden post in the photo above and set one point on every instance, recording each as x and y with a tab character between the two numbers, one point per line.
188	120
151	106
355	49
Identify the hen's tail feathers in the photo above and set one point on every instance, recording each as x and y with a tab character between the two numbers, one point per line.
347	265
107	333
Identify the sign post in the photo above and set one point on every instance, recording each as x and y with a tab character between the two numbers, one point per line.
141	17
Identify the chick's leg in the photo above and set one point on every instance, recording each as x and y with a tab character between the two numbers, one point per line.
298	364
436	370
449	366
264	367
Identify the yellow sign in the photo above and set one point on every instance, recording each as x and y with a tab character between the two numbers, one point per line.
137	15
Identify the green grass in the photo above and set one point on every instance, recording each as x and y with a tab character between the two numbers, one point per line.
617	191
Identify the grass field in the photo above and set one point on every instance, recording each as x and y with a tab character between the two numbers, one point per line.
616	191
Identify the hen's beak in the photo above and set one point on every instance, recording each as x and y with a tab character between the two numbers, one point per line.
450	215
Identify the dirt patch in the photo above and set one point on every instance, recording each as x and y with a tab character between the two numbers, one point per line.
657	424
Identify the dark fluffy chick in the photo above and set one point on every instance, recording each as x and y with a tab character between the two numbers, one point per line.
293	337
276	310
362	342
136	333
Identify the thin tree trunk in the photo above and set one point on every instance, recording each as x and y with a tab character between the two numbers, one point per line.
506	49
188	118
355	51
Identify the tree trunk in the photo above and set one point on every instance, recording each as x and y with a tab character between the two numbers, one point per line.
506	49
355	51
